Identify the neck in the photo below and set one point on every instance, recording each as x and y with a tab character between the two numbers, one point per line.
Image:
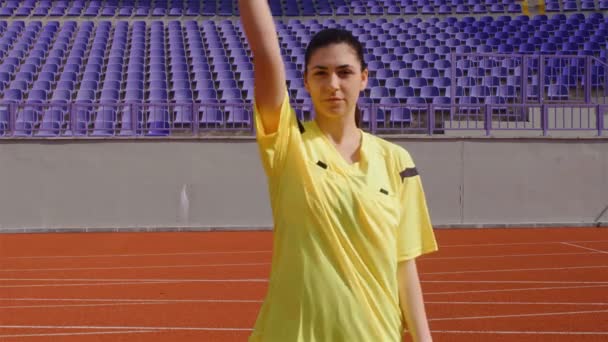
338	129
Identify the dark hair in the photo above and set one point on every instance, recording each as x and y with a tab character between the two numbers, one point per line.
336	36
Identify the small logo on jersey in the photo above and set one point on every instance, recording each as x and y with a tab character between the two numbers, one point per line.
384	191
322	164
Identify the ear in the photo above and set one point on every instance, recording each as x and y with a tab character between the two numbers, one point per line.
364	78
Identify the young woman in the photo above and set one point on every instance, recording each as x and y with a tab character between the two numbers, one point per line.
349	210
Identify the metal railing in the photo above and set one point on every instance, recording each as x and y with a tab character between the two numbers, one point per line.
193	119
22	119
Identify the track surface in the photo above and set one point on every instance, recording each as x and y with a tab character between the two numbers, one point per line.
483	285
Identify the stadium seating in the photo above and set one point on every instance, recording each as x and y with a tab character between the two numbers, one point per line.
143	71
180	8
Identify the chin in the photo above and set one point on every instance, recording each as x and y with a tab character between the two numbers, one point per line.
332	114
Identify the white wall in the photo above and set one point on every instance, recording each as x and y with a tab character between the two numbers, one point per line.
218	184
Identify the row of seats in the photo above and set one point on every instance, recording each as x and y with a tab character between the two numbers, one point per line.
176	8
574	5
208	61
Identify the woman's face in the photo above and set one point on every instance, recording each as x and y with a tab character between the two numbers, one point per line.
334	80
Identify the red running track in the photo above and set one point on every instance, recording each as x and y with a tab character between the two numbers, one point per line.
483	285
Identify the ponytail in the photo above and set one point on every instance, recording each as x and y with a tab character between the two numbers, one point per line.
357	116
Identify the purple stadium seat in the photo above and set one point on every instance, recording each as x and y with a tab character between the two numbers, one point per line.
52	122
394	82
497	103
508	92
441	103
231	94
37	95
210	114
13	95
557	92
480	92
238	113
428	92
24	123
105	121
404	92
442	82
406	73
570	5
430	73
418	82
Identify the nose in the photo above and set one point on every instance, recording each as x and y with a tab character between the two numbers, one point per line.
334	82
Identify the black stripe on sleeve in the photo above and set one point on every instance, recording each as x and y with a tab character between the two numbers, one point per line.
409	172
301	127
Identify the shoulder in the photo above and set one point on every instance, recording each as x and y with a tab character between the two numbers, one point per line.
397	154
398	159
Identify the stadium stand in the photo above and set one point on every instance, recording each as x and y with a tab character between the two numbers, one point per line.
177	8
137	65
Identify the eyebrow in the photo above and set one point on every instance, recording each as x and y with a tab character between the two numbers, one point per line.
325	68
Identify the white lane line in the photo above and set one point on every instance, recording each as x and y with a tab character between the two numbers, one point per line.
521	243
88	283
101	280
172	282
517	303
121	303
172	301
516	290
583	247
521	332
158	329
267	263
519	315
520	269
83	284
268	251
81	333
247	280
132	267
78	305
515	282
86	327
431	258
133	300
135	283
133	255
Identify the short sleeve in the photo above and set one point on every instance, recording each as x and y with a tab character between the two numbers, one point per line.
273	147
415	234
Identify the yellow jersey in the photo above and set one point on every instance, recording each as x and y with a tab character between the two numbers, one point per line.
340	230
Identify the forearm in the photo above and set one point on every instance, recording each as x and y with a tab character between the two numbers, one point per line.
259	27
268	66
411	301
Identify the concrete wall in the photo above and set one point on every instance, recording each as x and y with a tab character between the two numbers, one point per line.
525	181
207	184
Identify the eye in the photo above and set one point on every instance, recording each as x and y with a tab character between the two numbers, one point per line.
319	73
345	72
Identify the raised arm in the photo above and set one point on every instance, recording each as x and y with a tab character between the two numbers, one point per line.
267	63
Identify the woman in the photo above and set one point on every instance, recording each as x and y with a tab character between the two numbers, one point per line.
349	211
